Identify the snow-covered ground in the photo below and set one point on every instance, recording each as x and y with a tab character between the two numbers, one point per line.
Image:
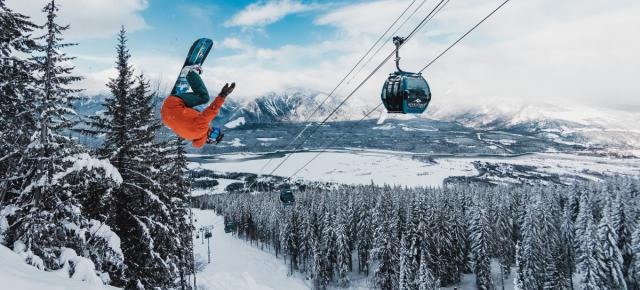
237	265
15	274
401	168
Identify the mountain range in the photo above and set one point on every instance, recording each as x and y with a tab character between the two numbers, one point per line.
601	131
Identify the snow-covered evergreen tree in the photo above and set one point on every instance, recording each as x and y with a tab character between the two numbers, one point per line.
530	258
634	269
481	248
567	250
505	247
143	215
175	186
17	99
590	255
620	226
611	264
50	227
410	251
343	250
426	280
384	245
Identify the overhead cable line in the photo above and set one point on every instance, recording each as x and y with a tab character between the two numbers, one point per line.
407	38
343	80
464	35
427	66
333	140
388	39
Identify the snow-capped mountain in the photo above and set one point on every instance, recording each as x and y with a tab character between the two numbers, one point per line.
605	131
288	106
582	125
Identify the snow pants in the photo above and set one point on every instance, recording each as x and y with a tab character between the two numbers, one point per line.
199	94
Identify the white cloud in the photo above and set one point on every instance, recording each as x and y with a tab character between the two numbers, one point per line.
235	43
264	13
89	19
581	52
578	51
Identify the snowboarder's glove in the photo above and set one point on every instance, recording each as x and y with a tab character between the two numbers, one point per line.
215	135
227	89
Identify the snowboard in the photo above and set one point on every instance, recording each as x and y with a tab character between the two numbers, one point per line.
197	54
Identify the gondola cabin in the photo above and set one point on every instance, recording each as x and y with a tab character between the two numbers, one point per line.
286	197
406	93
229	225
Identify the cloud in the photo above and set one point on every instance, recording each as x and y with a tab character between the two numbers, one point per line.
578	52
262	13
235	44
89	19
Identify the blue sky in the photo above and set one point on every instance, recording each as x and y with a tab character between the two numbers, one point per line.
573	52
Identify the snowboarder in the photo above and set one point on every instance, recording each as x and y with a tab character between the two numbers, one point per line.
178	113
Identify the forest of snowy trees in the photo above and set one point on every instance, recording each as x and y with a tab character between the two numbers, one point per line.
116	214
585	236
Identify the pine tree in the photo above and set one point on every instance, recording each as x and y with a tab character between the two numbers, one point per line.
612	264
426	280
176	186
383	244
50	229
142	214
16	89
620	226
480	236
343	250
635	262
410	251
590	255
505	248
567	250
530	256
363	234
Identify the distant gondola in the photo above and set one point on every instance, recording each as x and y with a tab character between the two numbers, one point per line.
405	92
286	197
229	225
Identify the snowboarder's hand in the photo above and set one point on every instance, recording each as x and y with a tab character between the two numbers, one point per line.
227	89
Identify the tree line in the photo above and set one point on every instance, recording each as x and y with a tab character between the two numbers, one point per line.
116	214
584	236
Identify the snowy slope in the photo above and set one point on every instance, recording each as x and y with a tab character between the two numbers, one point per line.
236	265
15	274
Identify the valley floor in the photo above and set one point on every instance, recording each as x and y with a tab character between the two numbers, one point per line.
400	168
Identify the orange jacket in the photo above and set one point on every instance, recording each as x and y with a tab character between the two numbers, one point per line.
187	122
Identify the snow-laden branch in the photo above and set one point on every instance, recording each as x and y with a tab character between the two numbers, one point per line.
85	161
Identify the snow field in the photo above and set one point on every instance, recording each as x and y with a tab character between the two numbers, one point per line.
397	168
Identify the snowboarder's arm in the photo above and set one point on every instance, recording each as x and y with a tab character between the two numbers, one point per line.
212	110
198	143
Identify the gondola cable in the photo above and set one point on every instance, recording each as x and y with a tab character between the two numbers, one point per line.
464	35
427	66
406	39
390	37
342	81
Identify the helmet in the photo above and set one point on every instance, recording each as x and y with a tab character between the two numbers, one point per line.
215	135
